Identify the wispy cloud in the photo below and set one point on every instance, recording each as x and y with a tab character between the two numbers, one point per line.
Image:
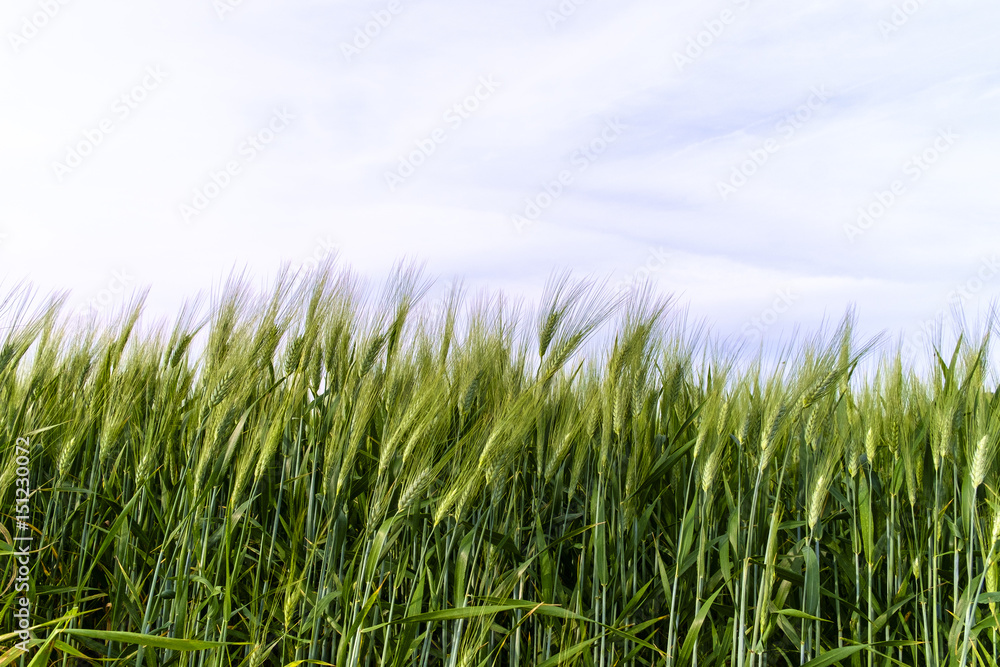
370	84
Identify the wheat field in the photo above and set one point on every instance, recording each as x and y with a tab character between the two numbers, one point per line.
323	473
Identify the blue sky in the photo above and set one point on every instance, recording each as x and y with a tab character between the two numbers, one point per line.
724	150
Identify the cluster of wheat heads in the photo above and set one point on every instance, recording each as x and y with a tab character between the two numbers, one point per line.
328	474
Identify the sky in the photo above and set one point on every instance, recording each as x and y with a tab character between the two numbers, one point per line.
768	164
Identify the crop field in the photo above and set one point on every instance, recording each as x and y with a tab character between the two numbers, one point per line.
324	474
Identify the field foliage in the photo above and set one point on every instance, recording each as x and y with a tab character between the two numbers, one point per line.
326	473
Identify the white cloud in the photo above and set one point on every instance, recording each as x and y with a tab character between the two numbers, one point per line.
891	92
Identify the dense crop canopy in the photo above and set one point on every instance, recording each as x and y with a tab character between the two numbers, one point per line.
318	474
